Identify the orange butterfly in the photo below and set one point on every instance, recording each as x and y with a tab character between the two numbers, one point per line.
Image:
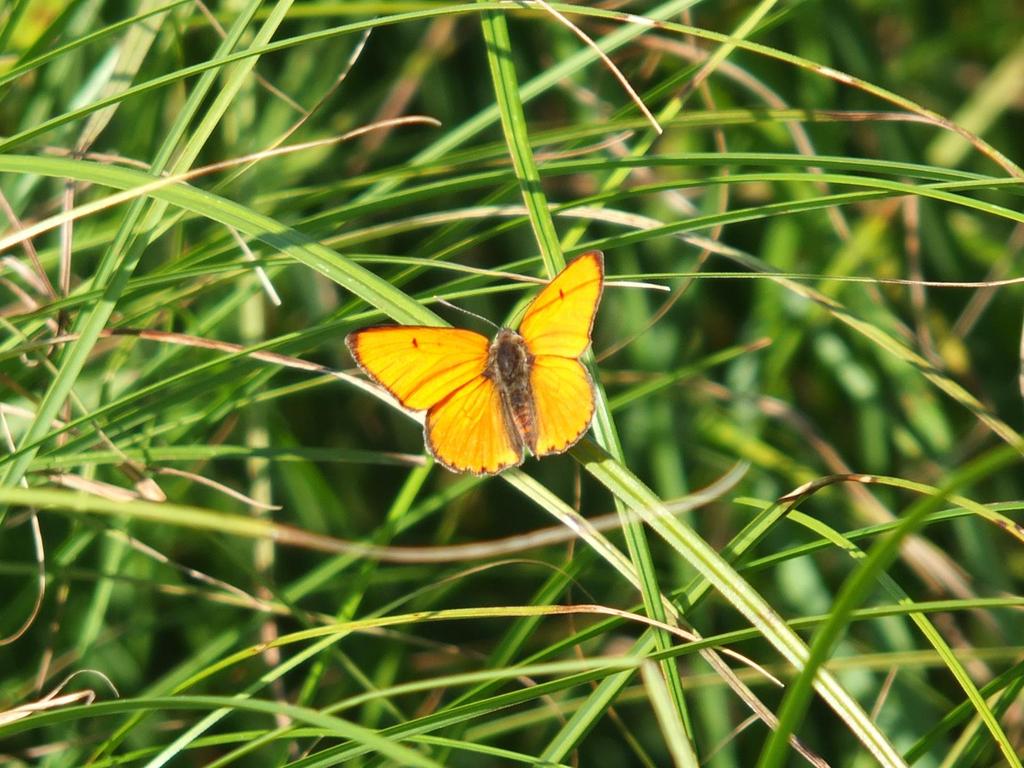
487	400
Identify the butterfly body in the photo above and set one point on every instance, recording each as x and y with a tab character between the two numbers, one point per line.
487	401
508	365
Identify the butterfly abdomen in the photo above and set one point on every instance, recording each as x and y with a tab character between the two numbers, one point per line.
508	365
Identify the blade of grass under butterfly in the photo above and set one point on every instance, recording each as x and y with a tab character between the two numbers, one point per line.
740	594
513	122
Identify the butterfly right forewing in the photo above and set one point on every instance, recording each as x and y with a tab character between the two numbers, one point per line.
559	320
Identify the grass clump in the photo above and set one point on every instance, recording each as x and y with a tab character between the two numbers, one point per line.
792	533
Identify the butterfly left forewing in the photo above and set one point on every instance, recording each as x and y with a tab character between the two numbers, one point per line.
419	365
469	432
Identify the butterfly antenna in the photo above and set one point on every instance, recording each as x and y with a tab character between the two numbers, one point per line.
448	304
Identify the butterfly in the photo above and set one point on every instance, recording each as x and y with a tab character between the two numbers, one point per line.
488	400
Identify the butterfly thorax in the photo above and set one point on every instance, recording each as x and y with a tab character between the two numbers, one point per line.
508	366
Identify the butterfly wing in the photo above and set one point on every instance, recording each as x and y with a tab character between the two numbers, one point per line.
467	432
559	320
563	400
419	365
441	370
556	329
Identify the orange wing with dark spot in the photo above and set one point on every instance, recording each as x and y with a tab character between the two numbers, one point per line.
419	365
556	329
441	370
559	321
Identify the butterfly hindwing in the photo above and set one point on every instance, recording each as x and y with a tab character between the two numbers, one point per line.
467	432
419	365
559	320
563	398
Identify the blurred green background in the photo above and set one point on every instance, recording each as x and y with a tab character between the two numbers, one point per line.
834	208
